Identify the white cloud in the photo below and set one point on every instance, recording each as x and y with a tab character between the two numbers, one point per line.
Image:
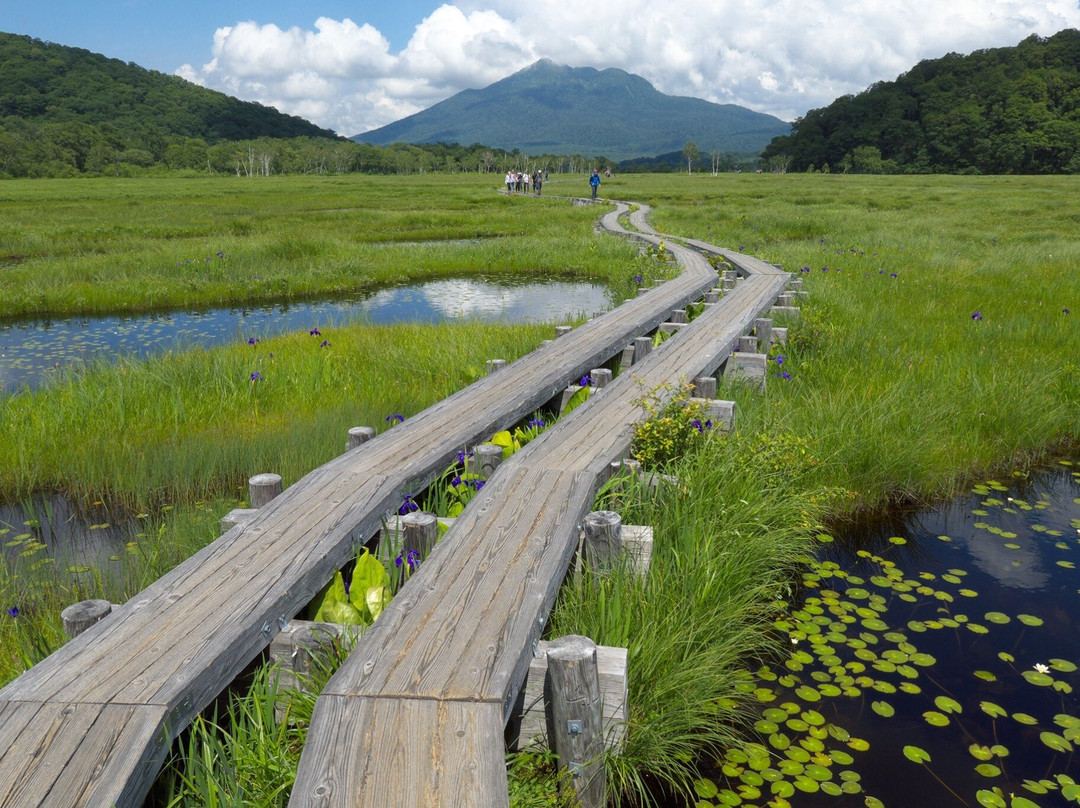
778	56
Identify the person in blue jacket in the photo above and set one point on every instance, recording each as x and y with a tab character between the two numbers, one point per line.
594	181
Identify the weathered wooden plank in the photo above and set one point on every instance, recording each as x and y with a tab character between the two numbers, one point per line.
418	742
50	735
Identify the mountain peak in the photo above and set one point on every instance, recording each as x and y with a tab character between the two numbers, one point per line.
582	110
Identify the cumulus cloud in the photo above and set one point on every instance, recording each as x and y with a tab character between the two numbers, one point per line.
777	56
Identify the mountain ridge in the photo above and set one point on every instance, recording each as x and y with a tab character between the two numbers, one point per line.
552	108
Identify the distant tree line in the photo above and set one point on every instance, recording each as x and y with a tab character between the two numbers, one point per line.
33	149
1000	111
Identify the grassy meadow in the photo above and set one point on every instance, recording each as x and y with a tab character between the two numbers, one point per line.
76	247
936	345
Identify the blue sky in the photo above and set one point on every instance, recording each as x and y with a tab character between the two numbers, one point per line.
164	34
354	66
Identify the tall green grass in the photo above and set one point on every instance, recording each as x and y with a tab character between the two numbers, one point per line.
892	379
727	536
189	426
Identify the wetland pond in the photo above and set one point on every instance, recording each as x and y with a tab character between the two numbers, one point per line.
32	350
933	663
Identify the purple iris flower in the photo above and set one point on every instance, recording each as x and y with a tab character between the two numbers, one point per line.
395	418
253	340
407	505
783	374
584	381
977	315
256	376
13	611
315	332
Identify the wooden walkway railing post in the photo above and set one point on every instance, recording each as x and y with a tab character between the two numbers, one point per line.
262	488
359	435
577	729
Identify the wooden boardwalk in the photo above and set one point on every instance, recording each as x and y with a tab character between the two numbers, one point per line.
91	724
414	717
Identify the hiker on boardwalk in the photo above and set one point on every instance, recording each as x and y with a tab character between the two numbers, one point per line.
594	181
538	180
510	182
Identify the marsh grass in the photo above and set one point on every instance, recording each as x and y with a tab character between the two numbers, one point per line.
184	427
106	246
727	537
897	385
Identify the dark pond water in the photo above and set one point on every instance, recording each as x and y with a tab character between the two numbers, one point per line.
31	350
933	663
72	536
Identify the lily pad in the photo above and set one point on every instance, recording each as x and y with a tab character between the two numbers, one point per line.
1055	742
917	755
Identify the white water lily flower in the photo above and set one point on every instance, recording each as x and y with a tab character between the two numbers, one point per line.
1041	668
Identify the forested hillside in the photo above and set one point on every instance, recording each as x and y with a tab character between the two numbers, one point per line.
66	110
1000	111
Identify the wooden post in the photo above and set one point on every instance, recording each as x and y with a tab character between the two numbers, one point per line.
763	332
642	290
626	358
262	488
712	296
603	539
420	529
488	458
78	617
779	336
747	344
535	716
601	377
495	364
562	330
577	717
642	348
705	387
728	284
679	316
784	299
359	435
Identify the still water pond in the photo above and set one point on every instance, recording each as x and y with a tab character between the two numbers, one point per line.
934	663
31	350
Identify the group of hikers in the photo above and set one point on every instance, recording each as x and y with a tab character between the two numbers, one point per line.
519	182
516	181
